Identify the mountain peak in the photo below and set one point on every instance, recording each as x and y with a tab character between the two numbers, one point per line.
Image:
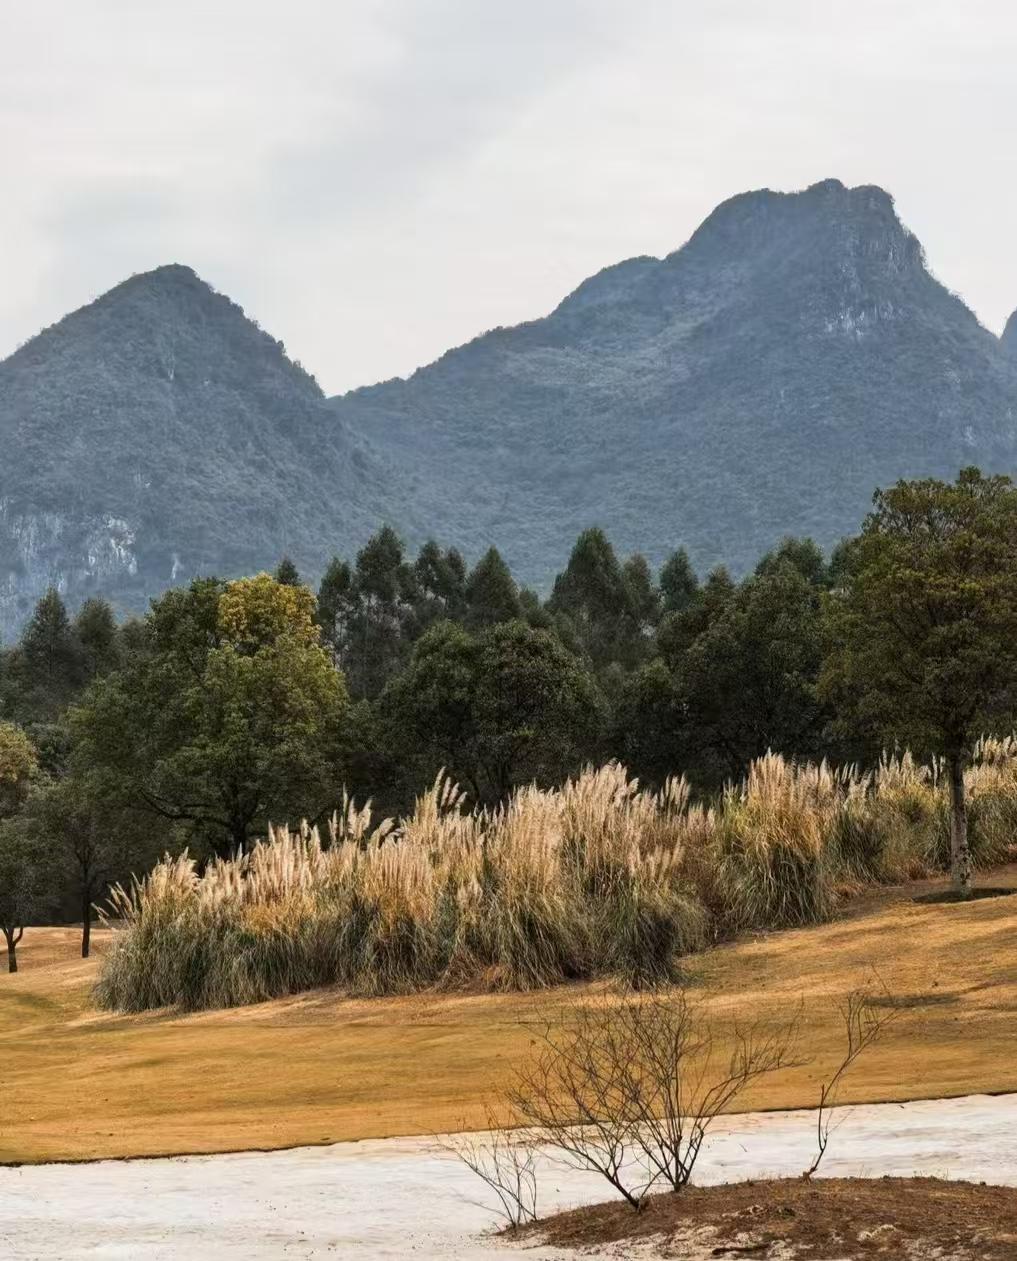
170	281
749	220
1009	339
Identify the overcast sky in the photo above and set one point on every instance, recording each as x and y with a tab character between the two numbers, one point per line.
378	180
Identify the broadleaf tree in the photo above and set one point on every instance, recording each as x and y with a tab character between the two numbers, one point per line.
229	716
923	626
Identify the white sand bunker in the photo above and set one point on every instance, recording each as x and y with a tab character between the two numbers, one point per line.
402	1198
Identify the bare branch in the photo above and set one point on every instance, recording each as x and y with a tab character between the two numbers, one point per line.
506	1162
864	1023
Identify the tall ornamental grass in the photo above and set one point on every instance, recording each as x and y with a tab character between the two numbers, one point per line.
598	878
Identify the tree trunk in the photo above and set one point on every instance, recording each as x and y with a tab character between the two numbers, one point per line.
12	950
86	925
960	854
238	834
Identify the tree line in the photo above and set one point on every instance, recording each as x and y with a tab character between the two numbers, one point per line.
232	703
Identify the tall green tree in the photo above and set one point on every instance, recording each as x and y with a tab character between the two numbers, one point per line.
377	643
923	625
491	592
501	707
48	667
90	842
22	885
749	677
338	605
598	599
644	597
287	573
679	585
96	629
231	717
438	587
652	734
802	554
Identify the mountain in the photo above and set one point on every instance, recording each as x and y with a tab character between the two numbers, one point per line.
1009	338
763	379
157	434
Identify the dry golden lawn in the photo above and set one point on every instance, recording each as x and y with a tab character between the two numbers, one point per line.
317	1068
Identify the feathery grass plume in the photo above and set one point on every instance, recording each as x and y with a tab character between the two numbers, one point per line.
991	782
910	814
773	852
597	878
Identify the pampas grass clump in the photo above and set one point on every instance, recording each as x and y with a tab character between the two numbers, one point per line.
600	878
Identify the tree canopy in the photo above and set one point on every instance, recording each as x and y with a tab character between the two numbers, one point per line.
231	714
923	626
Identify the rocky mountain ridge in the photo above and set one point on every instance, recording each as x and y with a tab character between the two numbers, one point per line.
761	380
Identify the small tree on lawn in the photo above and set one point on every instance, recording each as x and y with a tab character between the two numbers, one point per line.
923	628
20	883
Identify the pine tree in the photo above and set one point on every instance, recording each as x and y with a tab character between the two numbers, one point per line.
491	593
287	573
595	597
679	585
51	653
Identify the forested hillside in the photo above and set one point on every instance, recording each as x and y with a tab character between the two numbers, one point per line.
158	434
762	380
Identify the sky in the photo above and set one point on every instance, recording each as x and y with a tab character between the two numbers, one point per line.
376	181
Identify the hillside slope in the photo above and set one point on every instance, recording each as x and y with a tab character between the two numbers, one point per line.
321	1068
157	434
761	380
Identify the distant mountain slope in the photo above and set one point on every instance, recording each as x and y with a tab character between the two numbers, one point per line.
157	434
1009	338
761	380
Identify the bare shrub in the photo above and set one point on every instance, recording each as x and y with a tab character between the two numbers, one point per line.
864	1023
506	1163
680	1081
629	1091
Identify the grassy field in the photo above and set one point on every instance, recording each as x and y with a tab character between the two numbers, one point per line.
318	1068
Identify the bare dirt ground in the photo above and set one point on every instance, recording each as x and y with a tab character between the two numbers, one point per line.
830	1219
405	1198
320	1068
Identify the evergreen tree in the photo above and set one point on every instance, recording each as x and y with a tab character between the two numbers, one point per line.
232	717
679	585
23	882
96	631
337	607
438	587
51	652
491	592
381	583
287	573
652	734
502	707
19	763
748	679
643	597
802	554
593	594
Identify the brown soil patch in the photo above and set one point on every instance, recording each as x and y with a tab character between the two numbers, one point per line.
319	1067
830	1219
